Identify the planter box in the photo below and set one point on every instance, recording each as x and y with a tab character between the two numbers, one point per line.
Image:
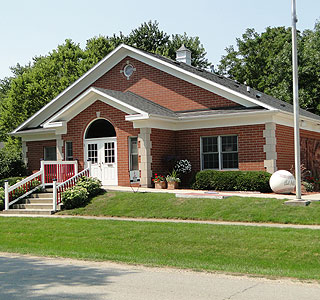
160	185
172	185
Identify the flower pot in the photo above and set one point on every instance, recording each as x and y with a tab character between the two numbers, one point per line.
172	185
160	185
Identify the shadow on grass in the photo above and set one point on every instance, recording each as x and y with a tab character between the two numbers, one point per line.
32	278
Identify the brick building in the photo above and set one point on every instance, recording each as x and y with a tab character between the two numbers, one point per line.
135	110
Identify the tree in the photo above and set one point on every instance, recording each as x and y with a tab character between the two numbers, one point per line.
35	86
263	61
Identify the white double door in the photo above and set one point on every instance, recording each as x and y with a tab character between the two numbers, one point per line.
103	156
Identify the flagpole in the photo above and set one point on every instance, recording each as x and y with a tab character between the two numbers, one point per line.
296	102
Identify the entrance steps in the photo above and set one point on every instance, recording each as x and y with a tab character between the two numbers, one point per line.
38	203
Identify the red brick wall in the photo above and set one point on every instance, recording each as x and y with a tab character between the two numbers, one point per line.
284	147
310	149
36	153
163	150
160	87
124	129
250	145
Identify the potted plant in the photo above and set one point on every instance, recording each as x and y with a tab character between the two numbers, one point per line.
172	180
159	181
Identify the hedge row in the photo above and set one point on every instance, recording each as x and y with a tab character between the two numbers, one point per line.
232	181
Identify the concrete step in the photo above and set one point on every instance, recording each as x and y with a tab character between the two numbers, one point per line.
36	201
27	212
37	206
41	195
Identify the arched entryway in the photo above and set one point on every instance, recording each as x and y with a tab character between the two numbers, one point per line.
100	143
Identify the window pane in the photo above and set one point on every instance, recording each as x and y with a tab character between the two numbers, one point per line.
230	160
50	153
211	161
134	162
209	144
69	151
229	143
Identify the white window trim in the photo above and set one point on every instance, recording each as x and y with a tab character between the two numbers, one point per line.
129	152
219	137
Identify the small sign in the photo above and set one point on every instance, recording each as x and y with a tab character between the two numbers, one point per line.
134	176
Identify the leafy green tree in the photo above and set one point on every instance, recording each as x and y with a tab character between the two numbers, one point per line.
264	61
35	86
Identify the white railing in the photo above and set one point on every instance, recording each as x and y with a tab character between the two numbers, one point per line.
22	188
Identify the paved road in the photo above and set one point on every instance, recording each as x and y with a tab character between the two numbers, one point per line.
27	277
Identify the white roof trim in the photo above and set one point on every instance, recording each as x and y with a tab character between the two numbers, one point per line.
92	90
149	57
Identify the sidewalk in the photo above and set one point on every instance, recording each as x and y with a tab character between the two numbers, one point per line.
154	220
211	194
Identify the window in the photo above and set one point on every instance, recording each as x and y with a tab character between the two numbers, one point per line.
69	151
50	153
220	152
109	153
93	153
133	153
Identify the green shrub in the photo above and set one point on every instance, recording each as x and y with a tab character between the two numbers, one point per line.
92	185
11	164
75	197
232	181
11	180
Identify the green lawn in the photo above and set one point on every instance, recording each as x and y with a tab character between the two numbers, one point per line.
238	249
164	205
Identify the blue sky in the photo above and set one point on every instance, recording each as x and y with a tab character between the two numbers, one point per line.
34	27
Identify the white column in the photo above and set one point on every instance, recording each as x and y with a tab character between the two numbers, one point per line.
6	195
144	152
24	152
54	195
59	145
269	148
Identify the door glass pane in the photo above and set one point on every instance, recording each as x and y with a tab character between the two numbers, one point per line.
93	153
109	153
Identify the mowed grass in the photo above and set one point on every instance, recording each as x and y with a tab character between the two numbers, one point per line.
237	249
165	205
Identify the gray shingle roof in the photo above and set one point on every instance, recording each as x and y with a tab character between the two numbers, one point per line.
237	87
139	102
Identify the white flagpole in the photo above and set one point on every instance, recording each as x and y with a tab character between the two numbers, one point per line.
296	102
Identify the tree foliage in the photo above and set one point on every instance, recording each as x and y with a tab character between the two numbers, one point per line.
264	62
34	85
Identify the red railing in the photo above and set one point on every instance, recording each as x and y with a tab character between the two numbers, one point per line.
59	170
